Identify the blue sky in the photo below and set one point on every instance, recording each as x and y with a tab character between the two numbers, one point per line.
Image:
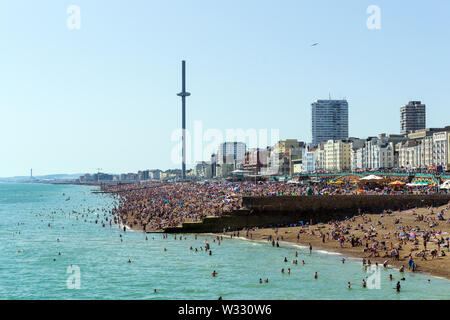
105	95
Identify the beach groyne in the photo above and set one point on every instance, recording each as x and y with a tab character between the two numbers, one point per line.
286	210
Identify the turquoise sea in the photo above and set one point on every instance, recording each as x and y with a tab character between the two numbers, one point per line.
31	267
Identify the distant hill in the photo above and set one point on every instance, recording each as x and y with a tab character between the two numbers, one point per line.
61	176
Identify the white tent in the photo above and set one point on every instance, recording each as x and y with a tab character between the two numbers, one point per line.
372	177
445	185
417	184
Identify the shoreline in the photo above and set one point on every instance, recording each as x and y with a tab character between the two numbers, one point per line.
438	267
327	250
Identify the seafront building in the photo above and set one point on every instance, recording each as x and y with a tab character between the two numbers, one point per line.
441	149
203	169
426	149
337	155
256	160
283	156
231	152
412	117
376	152
329	120
309	154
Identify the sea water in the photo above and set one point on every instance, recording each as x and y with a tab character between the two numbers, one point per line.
39	221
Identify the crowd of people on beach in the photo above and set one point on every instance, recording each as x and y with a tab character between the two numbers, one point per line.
377	242
155	206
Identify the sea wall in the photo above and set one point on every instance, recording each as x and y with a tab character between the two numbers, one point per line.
273	211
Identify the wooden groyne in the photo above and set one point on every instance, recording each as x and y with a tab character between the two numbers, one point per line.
275	211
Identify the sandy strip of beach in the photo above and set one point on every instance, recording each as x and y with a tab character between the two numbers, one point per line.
385	226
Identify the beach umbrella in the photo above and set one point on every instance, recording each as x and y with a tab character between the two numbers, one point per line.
397	183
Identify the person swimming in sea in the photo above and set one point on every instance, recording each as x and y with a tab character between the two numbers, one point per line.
398	286
214	273
364	284
315	275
